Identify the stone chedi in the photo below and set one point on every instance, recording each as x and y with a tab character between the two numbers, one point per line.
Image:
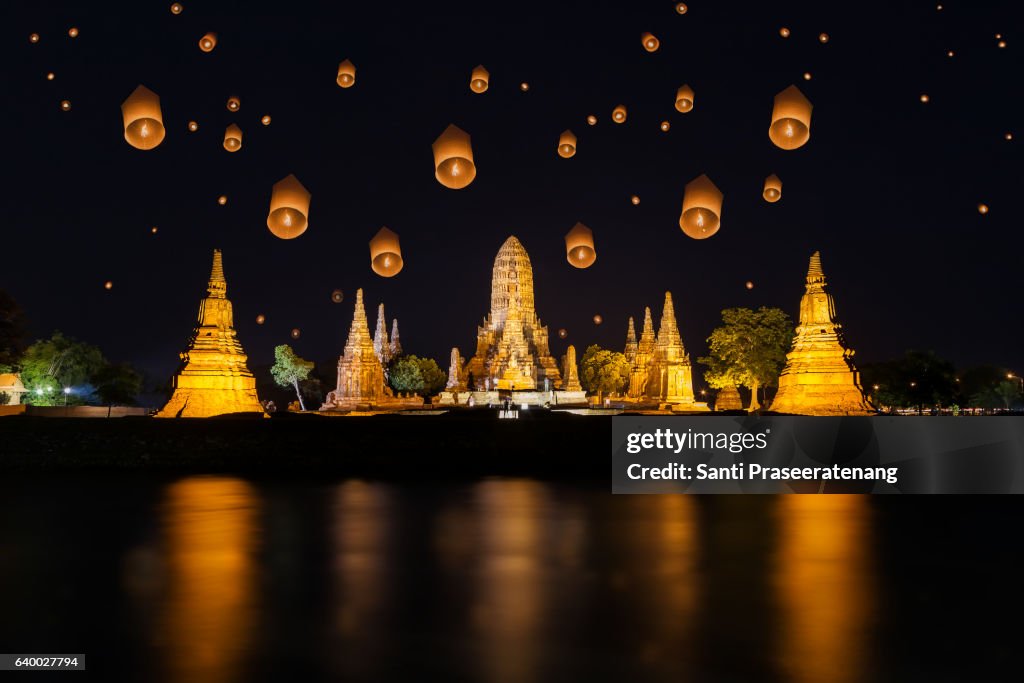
213	378
360	373
819	377
381	346
728	398
570	373
660	367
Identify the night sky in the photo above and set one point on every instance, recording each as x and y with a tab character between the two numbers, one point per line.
887	188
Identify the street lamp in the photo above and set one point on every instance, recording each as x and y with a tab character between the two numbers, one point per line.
67	392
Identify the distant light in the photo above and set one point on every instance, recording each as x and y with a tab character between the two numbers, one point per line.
749	285
665	126
1008	136
563	333
337	296
650	42
524	86
1001	43
598	320
33	38
265	120
73	32
50	76
938	8
635	199
296	333
193	126
999	36
108	285
67	390
153	230
784	32
234	104
681	8
176	8
807	75
592	120
208	42
949	54
983	208
823	37
65	105
876	387
222	200
260	319
924	98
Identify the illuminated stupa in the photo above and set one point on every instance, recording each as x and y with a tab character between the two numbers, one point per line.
820	377
214	378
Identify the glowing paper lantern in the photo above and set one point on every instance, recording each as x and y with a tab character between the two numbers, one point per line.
524	86
750	285
592	120
143	121
791	119
665	125
260	319
566	144
684	99
73	32
598	320
681	8
265	120
289	208
579	247
1008	136
453	158
208	42
772	189
153	230
702	208
807	75
296	333
619	113
337	296
983	209
823	37
50	76
233	138
563	333
651	44
784	32
479	80
385	253
33	38
65	105
176	8
924	98
193	126
635	200
222	200
233	103
1001	43
108	285
346	74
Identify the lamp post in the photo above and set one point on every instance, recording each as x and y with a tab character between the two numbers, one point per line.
67	392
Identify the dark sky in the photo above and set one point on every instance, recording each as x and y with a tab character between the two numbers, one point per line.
887	188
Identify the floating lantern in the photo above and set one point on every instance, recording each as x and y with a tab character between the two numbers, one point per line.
233	103
772	189
702	208
222	200
949	54
265	120
524	86
33	37
337	296
566	144
479	80
208	42
260	319
385	253
1001	43
176	8
50	76
233	138
665	126
579	247
108	285
791	119
289	208
784	32
924	98
598	319
681	8
823	37
65	105
1008	136
563	333
143	121
651	44
73	32
635	200
807	75
619	113
453	158
296	333
346	74
684	99
982	209
193	126
592	120
750	285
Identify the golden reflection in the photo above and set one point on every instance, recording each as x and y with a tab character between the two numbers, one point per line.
210	530
824	583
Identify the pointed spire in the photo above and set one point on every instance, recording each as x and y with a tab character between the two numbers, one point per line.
359	317
380	337
218	286
814	271
631	333
647	334
668	331
396	345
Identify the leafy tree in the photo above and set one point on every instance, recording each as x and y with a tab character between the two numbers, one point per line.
117	384
748	349
288	370
5	398
434	378
1008	393
406	374
917	379
51	364
603	371
12	332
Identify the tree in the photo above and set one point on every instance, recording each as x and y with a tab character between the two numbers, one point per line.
748	349
916	379
434	379
117	384
12	332
288	370
1008	393
50	365
603	371
406	374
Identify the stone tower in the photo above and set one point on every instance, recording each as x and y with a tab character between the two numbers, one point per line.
360	374
631	343
380	338
396	345
455	379
571	381
671	376
644	354
512	345
820	377
213	378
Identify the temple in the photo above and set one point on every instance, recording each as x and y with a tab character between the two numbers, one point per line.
660	369
512	352
213	378
819	377
361	378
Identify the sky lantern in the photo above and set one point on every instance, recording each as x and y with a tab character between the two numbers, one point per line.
193	126
233	138
143	121
453	158
346	74
807	75
50	76
592	120
681	7
33	37
260	319
222	200
784	32
598	319
684	99
289	208
563	333
479	80
651	44
823	37
108	285
73	32
524	86
579	247
702	208
265	120
566	144
772	189
385	253
665	125
635	200
208	42
233	103
791	119
749	285
65	105
296	333
153	230
176	8
619	113
983	209
337	296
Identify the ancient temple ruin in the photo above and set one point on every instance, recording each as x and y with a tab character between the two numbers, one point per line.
819	377
213	378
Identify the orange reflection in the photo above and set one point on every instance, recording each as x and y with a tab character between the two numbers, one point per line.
824	583
210	533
